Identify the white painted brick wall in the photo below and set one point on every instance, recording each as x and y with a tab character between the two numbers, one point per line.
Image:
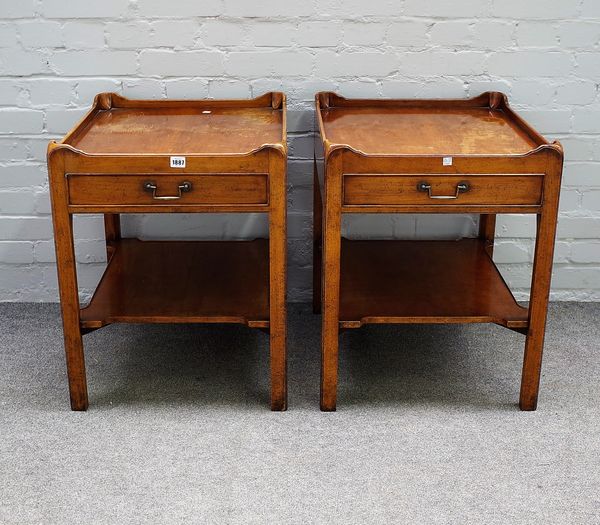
55	55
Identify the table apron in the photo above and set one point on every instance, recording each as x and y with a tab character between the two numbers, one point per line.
517	165
437	208
171	208
79	163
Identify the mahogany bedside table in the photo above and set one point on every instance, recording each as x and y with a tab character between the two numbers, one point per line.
429	156
142	156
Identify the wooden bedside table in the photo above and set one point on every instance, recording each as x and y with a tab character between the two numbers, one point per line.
429	156
143	156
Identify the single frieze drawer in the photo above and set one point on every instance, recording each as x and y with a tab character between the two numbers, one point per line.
148	189
431	189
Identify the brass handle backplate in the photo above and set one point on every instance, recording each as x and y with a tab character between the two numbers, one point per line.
151	187
461	187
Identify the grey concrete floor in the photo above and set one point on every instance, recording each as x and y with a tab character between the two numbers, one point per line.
178	431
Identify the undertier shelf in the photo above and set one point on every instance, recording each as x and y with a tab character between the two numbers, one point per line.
183	282
424	282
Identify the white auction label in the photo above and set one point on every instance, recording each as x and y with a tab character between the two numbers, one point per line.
177	162
447	161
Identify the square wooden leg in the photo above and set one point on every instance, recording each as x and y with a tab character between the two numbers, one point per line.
487	231
538	307
278	370
75	368
67	283
112	231
277	281
329	365
331	284
317	242
540	289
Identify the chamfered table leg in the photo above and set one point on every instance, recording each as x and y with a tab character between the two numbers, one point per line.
277	280
67	283
540	289
331	283
317	242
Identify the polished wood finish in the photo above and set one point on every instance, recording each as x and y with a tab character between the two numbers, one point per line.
278	273
487	232
391	190
120	126
540	288
317	241
330	307
128	190
437	281
67	283
426	127
399	156
112	232
183	282
236	155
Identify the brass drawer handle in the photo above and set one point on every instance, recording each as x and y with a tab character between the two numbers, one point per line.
461	187
153	188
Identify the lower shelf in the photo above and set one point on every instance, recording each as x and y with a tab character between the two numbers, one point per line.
183	282
424	282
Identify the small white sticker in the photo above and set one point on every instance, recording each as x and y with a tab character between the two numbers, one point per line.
447	161
177	162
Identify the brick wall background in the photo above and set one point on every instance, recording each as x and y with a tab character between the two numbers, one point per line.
56	54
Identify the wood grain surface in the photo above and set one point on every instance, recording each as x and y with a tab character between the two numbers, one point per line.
423	282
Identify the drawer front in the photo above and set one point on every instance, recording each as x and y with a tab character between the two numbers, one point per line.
131	190
458	190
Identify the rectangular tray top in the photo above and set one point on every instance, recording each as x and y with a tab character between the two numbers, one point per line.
116	125
484	125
